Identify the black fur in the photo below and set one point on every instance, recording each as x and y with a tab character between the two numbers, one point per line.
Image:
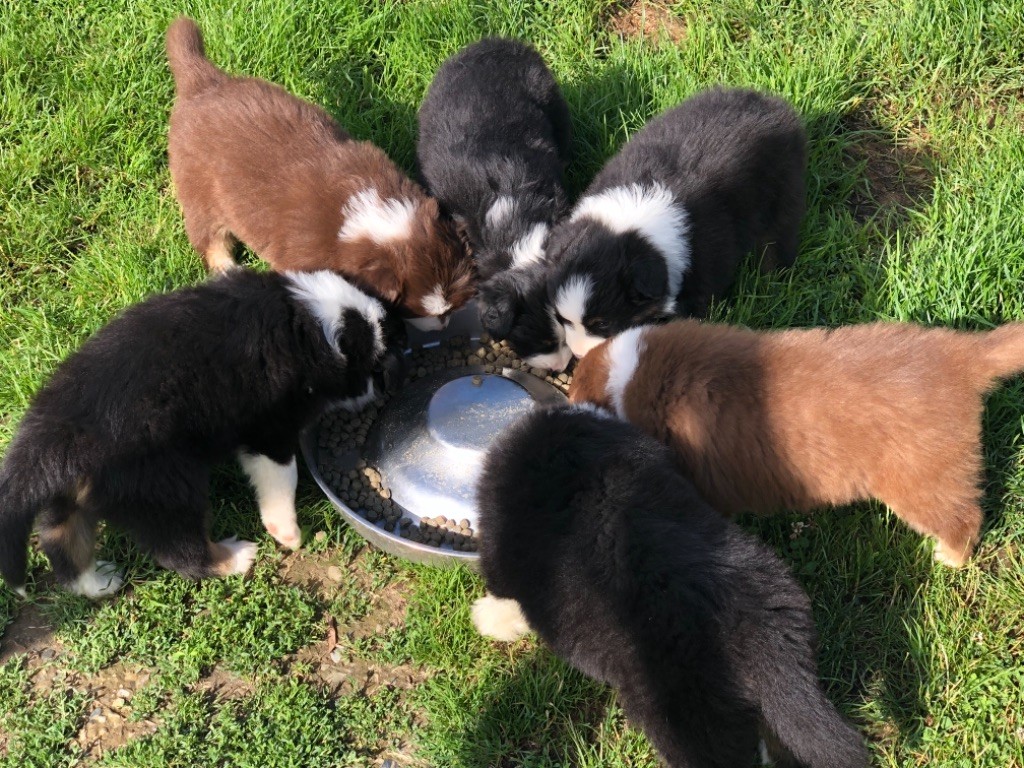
630	577
735	160
141	412
494	124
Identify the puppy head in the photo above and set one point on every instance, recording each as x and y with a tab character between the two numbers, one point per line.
514	308
513	232
603	375
604	283
353	324
407	253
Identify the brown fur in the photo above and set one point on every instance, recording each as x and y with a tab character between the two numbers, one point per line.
252	162
803	418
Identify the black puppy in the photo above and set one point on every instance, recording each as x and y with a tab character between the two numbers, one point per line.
590	536
663	226
494	135
129	426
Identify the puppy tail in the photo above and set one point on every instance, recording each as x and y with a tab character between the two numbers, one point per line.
29	480
1003	354
192	71
805	724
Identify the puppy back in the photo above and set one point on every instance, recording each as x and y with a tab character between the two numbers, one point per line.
186	54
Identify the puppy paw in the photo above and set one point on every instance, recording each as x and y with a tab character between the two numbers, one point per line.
101	580
499	618
287	537
950	556
241	555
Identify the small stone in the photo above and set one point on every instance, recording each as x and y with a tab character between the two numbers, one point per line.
123	693
97	714
118	703
334	573
336	655
47	654
320	537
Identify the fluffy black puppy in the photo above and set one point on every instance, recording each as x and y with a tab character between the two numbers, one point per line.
590	536
663	226
129	426
494	135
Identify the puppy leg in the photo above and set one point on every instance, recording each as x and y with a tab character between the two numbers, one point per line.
951	519
499	618
211	240
219	253
275	485
780	250
67	535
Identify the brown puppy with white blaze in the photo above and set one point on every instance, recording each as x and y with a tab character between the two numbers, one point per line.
805	418
251	162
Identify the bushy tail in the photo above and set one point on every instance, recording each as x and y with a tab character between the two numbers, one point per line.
1003	353
807	724
192	71
27	483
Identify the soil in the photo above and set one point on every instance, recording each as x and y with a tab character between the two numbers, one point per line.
646	20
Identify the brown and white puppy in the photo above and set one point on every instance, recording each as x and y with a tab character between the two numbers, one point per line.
251	162
804	418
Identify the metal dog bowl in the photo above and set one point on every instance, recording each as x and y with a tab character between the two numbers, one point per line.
429	441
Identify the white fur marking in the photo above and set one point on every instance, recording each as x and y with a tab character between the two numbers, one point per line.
652	212
242	554
557	360
328	295
499	618
382	221
571	303
358	403
529	248
101	579
275	493
623	358
762	748
501	210
435	303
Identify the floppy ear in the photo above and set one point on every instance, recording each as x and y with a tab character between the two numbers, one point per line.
382	281
646	278
356	338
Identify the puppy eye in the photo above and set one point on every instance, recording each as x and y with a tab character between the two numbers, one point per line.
561	320
598	325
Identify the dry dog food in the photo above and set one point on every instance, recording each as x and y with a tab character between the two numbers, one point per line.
342	435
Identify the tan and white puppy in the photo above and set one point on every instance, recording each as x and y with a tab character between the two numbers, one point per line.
251	162
798	419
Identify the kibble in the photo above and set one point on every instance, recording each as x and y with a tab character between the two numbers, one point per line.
343	434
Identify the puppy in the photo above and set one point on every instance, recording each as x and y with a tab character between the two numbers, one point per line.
252	162
494	134
590	536
663	226
804	418
129	427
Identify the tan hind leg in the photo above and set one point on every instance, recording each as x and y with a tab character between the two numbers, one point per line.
219	254
951	515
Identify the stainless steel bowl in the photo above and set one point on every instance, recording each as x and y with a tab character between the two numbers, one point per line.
429	442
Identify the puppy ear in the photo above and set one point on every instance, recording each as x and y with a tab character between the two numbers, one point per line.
382	281
646	278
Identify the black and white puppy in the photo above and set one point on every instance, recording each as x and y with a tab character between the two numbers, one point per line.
590	537
494	134
663	226
130	425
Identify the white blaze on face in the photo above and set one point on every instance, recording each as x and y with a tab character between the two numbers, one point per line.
368	216
623	358
651	211
557	360
529	249
437	307
571	304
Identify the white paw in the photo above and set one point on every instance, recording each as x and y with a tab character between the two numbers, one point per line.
499	618
289	538
242	554
102	579
950	557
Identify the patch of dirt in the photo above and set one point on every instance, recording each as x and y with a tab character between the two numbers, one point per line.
108	724
898	175
309	570
30	634
647	20
222	684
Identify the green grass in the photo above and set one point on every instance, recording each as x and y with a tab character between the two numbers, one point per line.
916	188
